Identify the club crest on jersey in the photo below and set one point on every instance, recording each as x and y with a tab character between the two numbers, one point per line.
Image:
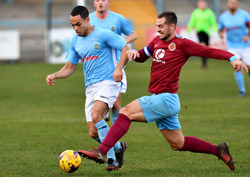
96	46
172	46
113	28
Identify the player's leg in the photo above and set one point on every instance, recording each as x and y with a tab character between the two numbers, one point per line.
145	109
100	108
131	112
203	40
117	105
103	96
116	108
93	131
188	143
239	78
89	102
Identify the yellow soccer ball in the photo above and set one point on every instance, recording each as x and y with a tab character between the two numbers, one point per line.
69	161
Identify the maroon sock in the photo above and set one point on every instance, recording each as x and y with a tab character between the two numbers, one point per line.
194	144
118	130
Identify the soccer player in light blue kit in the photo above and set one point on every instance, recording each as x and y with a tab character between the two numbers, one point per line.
93	47
115	22
236	21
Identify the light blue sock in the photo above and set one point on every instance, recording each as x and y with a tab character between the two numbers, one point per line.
239	78
103	128
114	116
117	145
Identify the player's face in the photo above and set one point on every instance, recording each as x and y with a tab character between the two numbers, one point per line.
202	5
101	5
79	24
233	5
164	30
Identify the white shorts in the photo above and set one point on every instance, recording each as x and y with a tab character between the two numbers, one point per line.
242	54
106	91
124	82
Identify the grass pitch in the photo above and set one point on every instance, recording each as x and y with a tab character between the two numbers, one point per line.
38	122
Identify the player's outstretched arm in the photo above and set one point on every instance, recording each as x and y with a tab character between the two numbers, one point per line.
64	72
133	54
131	38
239	66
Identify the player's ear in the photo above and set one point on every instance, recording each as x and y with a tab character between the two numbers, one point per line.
172	27
87	19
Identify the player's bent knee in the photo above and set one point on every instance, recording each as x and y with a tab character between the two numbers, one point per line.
116	106
96	117
125	111
176	147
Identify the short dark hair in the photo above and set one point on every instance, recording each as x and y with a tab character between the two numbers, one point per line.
80	10
170	17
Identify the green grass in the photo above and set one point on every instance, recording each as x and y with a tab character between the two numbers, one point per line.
38	122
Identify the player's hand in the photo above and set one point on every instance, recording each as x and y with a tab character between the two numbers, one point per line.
50	79
221	34
239	66
117	75
132	54
245	38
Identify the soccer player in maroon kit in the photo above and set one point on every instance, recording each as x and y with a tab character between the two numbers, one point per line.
169	52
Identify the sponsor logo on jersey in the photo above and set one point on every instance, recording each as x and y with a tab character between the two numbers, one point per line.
159	54
96	46
89	58
172	46
113	28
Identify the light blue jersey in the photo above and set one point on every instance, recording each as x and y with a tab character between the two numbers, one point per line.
95	53
236	28
114	22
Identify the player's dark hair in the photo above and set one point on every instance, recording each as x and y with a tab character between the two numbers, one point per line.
80	10
170	17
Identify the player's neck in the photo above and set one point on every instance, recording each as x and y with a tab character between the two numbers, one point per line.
90	30
102	15
170	37
233	11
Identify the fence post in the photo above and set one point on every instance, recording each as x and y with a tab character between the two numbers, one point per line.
48	28
217	9
159	6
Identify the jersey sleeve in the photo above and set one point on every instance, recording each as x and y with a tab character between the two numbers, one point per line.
72	56
146	52
191	48
220	23
113	40
126	27
247	20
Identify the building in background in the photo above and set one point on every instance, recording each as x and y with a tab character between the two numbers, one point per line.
28	17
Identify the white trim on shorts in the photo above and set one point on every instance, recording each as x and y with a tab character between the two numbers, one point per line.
242	54
124	82
106	91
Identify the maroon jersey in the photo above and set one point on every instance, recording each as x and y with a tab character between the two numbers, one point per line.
168	59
